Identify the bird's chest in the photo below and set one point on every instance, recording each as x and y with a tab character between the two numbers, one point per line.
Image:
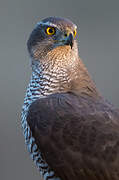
30	141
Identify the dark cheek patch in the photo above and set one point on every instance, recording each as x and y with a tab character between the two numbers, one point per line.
35	37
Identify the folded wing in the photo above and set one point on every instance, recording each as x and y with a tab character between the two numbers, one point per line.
78	136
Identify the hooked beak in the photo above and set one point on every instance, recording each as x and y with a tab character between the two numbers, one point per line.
70	40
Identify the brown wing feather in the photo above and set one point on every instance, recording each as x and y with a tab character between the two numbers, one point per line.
78	136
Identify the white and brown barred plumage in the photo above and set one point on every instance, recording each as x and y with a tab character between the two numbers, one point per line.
71	131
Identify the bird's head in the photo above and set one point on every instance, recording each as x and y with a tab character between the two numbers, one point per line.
50	34
54	56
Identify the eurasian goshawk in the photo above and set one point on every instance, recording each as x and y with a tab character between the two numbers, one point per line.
71	131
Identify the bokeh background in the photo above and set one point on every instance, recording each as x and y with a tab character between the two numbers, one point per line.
99	48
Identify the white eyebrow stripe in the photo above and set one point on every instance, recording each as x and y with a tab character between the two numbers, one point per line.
50	24
75	26
46	23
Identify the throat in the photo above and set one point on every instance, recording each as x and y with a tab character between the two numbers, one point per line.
60	71
52	74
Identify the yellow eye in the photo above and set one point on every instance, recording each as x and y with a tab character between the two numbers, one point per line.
50	31
74	32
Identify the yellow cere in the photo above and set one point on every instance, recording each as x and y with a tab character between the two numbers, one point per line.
69	31
50	31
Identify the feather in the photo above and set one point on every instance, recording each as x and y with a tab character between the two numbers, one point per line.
76	144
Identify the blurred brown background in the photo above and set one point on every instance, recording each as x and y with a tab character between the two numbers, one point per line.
99	49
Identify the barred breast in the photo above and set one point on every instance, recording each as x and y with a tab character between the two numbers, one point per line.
39	87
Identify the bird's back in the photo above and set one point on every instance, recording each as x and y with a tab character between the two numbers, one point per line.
78	136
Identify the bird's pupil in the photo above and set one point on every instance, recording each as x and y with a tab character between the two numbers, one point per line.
50	30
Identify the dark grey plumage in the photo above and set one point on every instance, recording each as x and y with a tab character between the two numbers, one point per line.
78	136
71	132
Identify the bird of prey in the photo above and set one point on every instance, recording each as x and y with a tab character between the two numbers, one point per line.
71	131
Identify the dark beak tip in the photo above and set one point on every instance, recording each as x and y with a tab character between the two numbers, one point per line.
70	40
71	45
